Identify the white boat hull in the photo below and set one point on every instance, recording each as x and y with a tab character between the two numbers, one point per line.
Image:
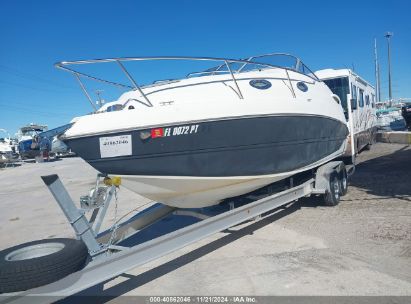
198	192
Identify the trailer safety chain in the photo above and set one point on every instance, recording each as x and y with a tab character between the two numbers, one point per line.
115	225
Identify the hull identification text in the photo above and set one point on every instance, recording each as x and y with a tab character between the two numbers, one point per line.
174	131
115	146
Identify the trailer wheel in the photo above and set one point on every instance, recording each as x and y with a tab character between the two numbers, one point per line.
39	263
332	196
343	182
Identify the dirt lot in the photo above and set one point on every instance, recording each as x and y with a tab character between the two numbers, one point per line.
372	224
360	247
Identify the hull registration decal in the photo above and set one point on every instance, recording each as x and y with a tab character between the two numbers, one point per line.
115	146
174	131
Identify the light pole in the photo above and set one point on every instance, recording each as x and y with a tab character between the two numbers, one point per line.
377	74
388	35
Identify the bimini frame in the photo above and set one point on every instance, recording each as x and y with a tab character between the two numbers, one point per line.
299	67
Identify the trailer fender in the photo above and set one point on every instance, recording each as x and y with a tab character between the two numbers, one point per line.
324	173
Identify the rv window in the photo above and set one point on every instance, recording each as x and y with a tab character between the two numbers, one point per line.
353	97
361	103
373	100
367	100
339	86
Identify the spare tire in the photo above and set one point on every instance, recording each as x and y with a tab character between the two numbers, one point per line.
39	263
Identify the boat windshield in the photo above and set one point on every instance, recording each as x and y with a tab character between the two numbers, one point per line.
31	130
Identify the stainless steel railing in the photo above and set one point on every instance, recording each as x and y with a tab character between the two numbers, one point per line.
134	85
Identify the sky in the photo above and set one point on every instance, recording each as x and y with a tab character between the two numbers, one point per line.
324	34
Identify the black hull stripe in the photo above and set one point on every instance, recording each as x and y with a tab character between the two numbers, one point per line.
247	147
210	120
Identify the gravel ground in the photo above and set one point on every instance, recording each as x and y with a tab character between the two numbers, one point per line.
360	247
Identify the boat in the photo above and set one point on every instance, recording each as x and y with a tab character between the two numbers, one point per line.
222	132
29	131
58	147
29	141
7	152
390	118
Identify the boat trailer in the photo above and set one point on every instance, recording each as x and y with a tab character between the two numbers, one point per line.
108	260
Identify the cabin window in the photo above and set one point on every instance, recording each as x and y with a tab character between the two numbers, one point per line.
115	107
339	86
367	100
353	97
361	101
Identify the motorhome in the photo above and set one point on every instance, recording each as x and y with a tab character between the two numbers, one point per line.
359	103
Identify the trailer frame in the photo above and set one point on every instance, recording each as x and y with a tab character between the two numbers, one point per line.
109	260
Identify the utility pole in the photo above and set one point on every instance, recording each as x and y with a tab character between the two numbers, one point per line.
388	35
377	73
100	101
